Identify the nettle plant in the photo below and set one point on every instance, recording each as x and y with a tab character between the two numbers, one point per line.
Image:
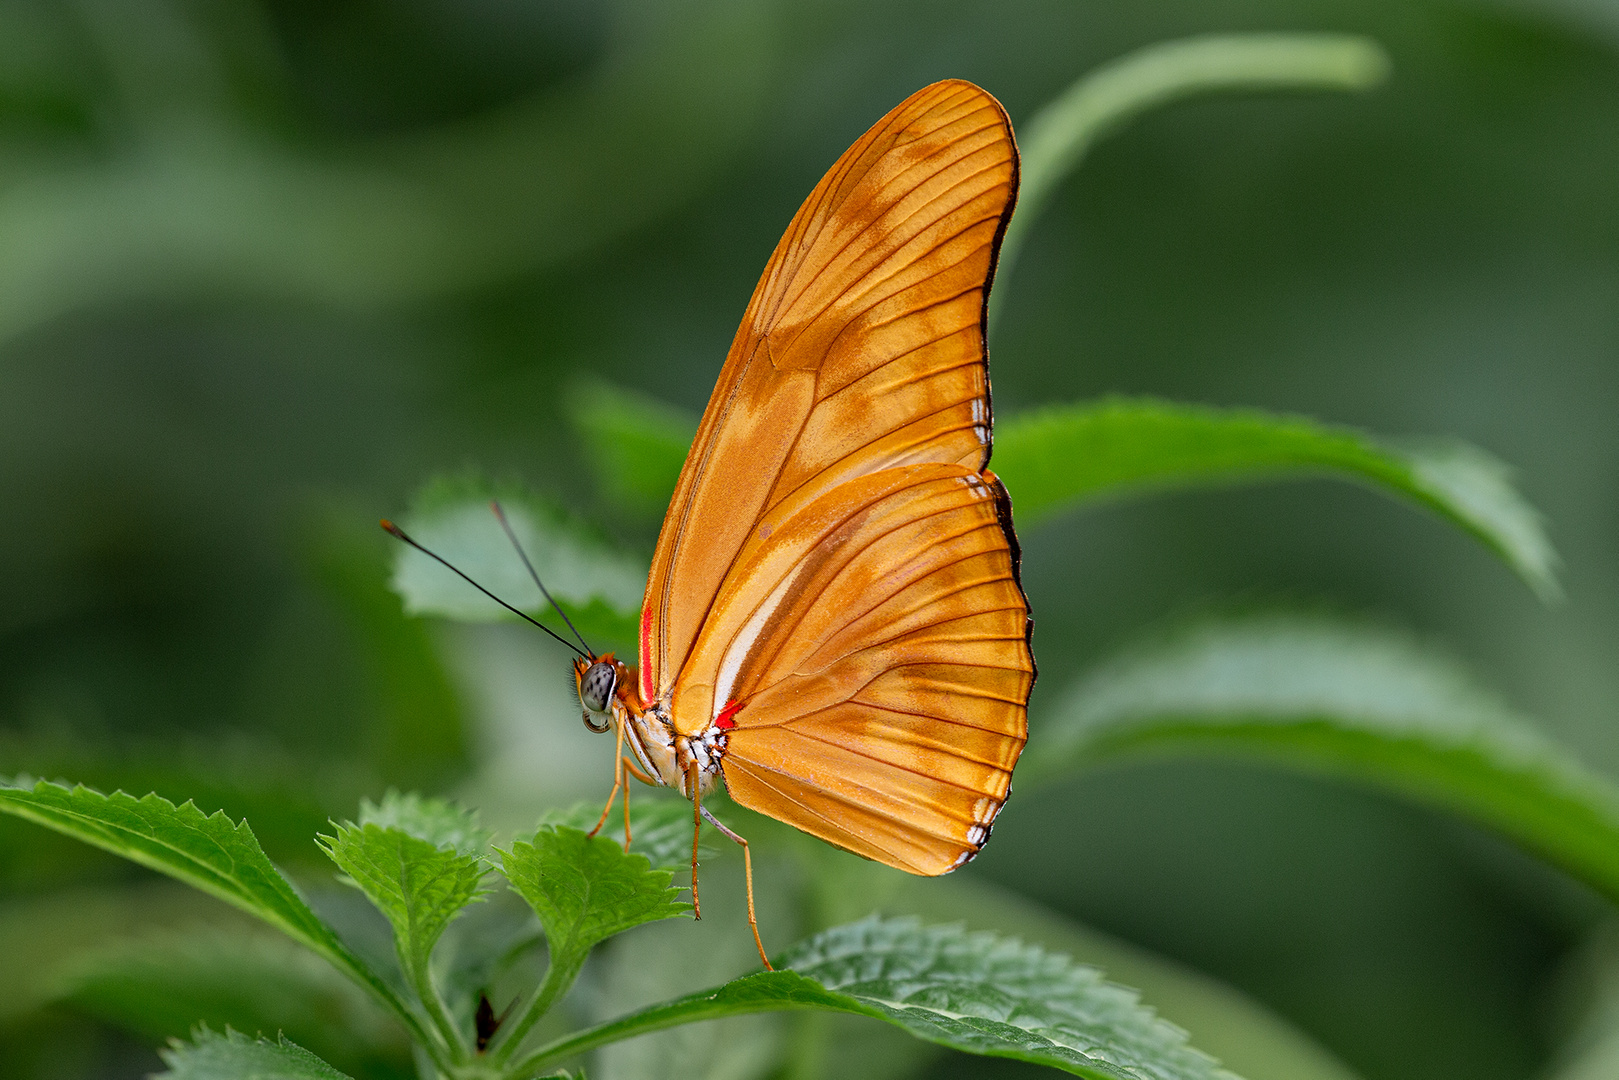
470	920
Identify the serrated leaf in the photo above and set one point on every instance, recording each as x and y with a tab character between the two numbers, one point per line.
419	887
586	889
444	824
1243	1034
1351	700
660	828
1062	456
1056	139
234	1056
208	852
636	444
162	985
977	992
600	586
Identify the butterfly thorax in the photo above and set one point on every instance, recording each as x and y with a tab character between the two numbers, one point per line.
666	755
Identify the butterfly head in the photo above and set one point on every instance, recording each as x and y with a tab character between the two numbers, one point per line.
597	683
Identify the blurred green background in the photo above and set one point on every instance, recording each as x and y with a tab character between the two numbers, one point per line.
264	267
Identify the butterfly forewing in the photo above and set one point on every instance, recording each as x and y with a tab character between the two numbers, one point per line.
835	559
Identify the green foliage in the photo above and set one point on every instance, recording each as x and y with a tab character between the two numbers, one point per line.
1063	456
1307	692
1056	139
972	991
436	821
600	588
585	889
207	852
237	206
418	884
162	985
234	1056
636	445
1348	700
660	827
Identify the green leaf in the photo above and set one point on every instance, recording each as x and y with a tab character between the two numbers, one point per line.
233	1056
208	852
439	822
419	886
1062	456
163	984
977	992
660	828
1246	1036
586	889
1347	700
1056	139
636	444
599	586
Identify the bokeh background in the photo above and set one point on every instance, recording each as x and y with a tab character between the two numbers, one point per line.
265	266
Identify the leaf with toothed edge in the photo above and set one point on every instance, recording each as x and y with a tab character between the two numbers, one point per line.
977	992
585	889
209	852
234	1056
437	821
421	887
660	828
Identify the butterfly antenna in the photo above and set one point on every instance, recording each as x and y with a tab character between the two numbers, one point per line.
402	535
494	505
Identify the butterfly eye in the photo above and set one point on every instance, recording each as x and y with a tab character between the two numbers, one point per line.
596	688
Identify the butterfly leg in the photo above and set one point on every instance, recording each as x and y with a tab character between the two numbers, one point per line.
618	780
622	763
696	832
747	866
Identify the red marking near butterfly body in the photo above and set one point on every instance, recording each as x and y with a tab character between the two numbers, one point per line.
726	720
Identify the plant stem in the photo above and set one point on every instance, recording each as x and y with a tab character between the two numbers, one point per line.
422	980
350	965
687	1010
559	976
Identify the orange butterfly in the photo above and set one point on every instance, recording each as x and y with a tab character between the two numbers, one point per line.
833	623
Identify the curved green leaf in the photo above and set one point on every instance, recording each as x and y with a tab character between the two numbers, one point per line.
1346	700
1243	1034
1061	456
1055	140
234	1056
977	992
208	852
